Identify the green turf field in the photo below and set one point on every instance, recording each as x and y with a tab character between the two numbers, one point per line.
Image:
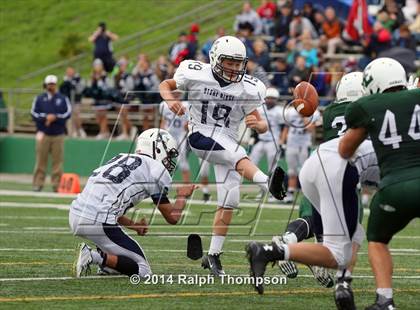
37	252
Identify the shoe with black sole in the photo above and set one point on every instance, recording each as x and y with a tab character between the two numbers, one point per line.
213	263
382	303
343	295
259	255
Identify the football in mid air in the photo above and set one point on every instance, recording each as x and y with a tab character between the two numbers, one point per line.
305	99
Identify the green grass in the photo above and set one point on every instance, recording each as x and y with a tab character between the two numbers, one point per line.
46	228
32	31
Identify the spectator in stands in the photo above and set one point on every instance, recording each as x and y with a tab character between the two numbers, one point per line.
406	39
122	85
245	34
179	50
281	27
385	20
146	84
378	41
335	70
163	68
261	55
72	87
254	69
300	25
320	80
415	25
291	52
248	15
100	90
298	73
319	19
395	13
331	29
309	12
192	40
102	38
309	52
280	78
50	111
267	11
207	46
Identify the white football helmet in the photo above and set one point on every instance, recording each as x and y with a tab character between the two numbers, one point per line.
272	93
160	145
349	88
228	47
382	74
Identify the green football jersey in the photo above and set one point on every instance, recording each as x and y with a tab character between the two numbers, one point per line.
333	122
393	124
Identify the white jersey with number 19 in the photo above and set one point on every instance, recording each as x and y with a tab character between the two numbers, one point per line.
216	107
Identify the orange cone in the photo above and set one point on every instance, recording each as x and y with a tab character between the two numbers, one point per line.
69	183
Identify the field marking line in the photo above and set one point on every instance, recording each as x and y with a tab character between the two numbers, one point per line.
186	294
57	206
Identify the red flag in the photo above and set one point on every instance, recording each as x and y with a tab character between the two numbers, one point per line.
357	21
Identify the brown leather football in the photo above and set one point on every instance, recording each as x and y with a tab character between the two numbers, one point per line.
305	99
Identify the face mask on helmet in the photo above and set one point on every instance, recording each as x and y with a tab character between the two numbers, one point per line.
270	102
169	161
230	69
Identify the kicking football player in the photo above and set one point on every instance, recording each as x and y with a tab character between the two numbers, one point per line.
390	116
220	96
97	214
268	143
177	126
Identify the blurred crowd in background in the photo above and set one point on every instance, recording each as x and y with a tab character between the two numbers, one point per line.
285	46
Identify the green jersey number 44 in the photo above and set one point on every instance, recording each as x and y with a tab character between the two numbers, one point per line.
389	133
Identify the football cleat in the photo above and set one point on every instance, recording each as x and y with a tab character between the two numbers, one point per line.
382	303
289	197
322	275
213	263
84	260
271	199
276	184
343	295
259	255
106	271
288	268
259	196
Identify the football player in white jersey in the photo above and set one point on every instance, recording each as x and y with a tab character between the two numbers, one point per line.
297	137
97	214
268	143
330	183
220	96
177	125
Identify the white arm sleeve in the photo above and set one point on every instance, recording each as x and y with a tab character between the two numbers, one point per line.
181	75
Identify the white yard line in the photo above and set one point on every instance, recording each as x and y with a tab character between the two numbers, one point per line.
32	217
34	205
35	194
